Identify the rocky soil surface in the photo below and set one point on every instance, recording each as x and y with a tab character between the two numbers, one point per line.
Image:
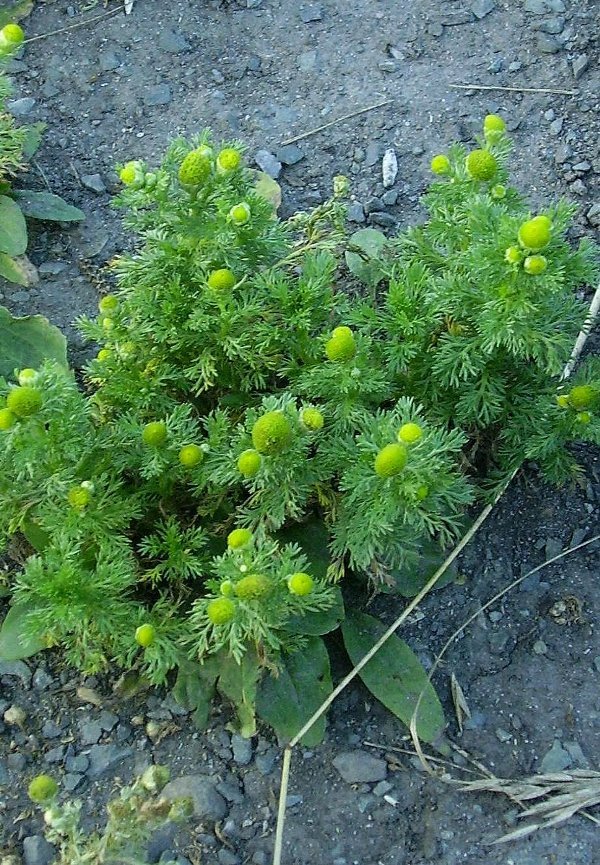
267	71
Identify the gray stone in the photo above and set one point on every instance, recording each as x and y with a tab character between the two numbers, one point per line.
217	76
16	762
382	788
503	735
55	755
583	167
563	153
578	187
78	763
577	755
593	215
159	94
290	154
18	669
266	761
21	107
390	197
108	720
386	220
4	776
105	757
373	153
173	42
260	858
552	26
536	7
556	126
242	750
580	64
230	791
161	841
71	781
90	733
109	61
20	297
435	29
539	647
358	767
312	12
226	857
37	851
93	182
42	679
293	799
477	721
268	163
356	212
208	803
481	8
50	90
548	44
556	759
307	61
50	730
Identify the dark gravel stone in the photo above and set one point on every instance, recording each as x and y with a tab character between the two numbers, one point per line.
208	803
105	757
267	163
71	782
90	732
41	679
312	12
37	851
358	767
173	42
290	154
242	750
18	669
55	755
50	730
266	761
108	720
160	94
16	762
481	8
78	763
356	212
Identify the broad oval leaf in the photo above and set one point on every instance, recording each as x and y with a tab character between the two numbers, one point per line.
16	642
313	539
14	269
319	621
194	688
362	257
268	189
238	682
27	341
13	231
394	675
288	700
47	206
410	579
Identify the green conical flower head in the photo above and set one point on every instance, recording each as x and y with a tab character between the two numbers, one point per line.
132	174
422	492
498	191
27	377
221	280
441	165
190	456
42	789
390	460
24	401
108	304
300	584
249	463
409	433
583	396
563	400
493	123
312	419
220	611
584	417
513	255
145	635
341	347
229	159
195	168
7	419
240	214
239	538
272	433
11	36
535	264
535	233
252	587
481	165
79	497
103	355
155	434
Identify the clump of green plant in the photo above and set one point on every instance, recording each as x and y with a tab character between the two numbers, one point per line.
251	430
18	144
133	816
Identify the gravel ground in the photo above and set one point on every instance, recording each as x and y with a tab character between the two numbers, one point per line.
266	71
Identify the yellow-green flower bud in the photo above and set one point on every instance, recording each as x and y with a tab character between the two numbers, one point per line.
535	233
220	611
132	174
24	401
583	396
108	323
493	123
108	305
252	587
390	460
27	377
422	492
481	165
249	463
226	589
229	159
11	36
312	419
239	538
154	434
190	456
240	214
145	635
513	255
498	191
42	789
103	355
584	417
7	419
563	400
194	169
79	497
410	433
272	433
300	584
441	165
535	264
341	347
221	280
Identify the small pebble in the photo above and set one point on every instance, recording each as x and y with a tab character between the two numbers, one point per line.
539	647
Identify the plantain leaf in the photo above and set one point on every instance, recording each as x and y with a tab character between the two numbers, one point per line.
313	539
33	139
410	579
14	10
394	675
194	688
27	341
47	206
13	231
16	642
364	261
13	270
238	683
288	700
268	189
319	621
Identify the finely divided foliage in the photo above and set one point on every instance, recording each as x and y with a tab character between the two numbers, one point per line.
240	392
